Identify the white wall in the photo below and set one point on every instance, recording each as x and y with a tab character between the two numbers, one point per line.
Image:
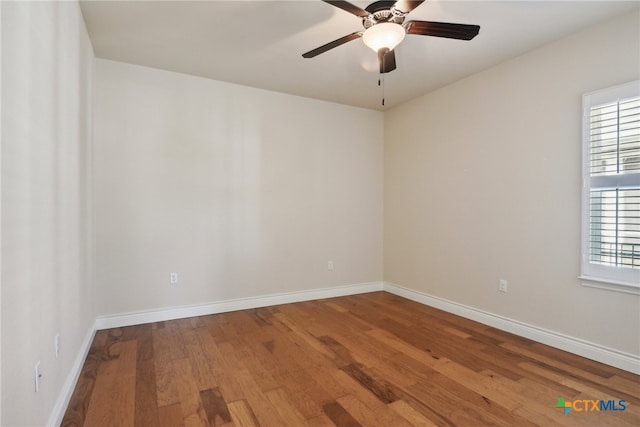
47	71
483	182
242	192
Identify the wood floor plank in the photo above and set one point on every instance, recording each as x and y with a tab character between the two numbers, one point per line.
291	353
146	400
360	412
115	388
340	416
306	395
359	348
336	306
306	336
166	386
630	387
383	390
215	407
262	376
219	368
170	416
144	338
199	362
320	421
282	403
391	367
257	400
189	393
414	417
324	382
377	403
368	359
456	332
396	343
242	414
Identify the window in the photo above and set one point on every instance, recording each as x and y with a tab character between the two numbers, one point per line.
611	186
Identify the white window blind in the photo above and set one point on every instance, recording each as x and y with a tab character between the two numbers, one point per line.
611	193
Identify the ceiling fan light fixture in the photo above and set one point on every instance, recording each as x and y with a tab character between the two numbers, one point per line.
384	35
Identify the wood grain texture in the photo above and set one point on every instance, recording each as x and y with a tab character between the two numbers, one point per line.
364	360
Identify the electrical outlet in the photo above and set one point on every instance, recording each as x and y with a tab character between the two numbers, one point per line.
38	375
502	286
330	265
56	344
173	278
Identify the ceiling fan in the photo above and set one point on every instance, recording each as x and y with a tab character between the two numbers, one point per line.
385	27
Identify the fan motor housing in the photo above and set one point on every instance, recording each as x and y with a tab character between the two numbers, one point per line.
382	11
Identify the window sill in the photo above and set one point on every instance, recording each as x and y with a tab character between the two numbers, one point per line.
610	285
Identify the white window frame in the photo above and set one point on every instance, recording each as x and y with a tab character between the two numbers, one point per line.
610	277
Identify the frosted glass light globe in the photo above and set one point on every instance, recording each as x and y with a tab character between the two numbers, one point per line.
385	35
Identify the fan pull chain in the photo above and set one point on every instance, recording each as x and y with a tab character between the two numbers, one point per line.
381	83
383	67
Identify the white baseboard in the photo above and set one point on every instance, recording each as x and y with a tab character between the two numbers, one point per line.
141	317
612	357
55	419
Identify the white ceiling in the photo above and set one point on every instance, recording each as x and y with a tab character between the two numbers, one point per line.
260	43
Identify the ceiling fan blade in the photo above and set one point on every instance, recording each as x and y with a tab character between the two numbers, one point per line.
387	60
351	8
442	29
407	6
342	40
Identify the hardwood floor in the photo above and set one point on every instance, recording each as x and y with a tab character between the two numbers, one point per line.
372	360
